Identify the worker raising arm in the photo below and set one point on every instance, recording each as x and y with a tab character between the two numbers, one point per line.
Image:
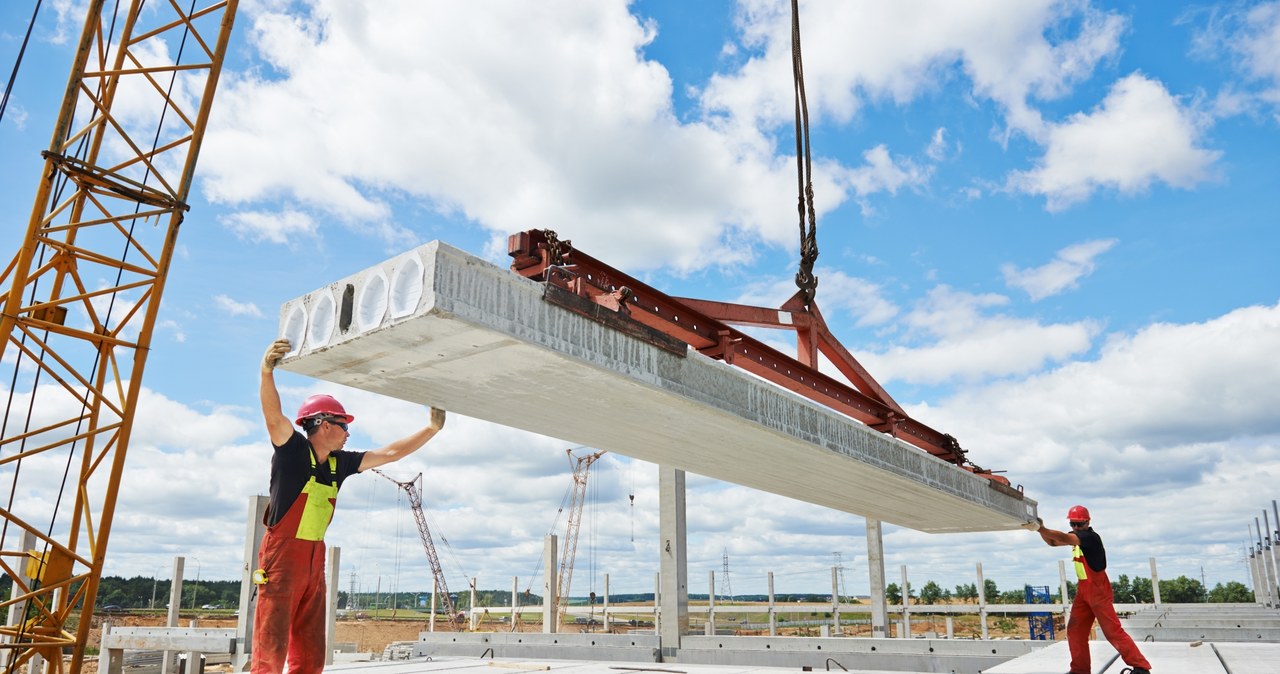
306	473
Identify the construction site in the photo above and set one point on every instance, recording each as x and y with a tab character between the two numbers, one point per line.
685	384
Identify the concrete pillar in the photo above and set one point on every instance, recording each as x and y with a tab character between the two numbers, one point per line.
1268	557
606	602
1155	581
1273	535
167	664
472	616
1253	575
435	587
17	610
773	609
332	579
254	529
549	589
982	602
951	628
1062	587
875	572
835	600
1262	579
674	556
515	602
906	605
710	629
657	603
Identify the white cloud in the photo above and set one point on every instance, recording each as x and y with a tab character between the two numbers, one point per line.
959	340
235	308
1139	135
1063	272
285	227
842	297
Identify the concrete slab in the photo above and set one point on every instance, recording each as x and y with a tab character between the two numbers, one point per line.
437	326
1183	658
1249	658
449	665
1056	658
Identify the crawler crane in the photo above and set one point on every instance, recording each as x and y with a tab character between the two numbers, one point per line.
581	466
414	490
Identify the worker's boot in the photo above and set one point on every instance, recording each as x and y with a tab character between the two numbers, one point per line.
1135	670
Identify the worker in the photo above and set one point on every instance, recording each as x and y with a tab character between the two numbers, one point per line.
1093	594
306	473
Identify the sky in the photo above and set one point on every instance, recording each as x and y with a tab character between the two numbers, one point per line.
1046	228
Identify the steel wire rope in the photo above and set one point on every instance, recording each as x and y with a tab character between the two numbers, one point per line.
17	63
805	280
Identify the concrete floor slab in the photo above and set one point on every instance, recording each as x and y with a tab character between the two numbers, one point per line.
1250	658
1055	659
452	665
438	326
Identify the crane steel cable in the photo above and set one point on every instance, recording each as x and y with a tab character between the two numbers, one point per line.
805	280
17	63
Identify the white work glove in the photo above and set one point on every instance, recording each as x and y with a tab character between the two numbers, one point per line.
1032	526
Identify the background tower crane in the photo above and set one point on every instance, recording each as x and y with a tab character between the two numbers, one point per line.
414	489
81	298
581	466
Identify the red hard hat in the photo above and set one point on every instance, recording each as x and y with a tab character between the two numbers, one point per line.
321	403
1078	514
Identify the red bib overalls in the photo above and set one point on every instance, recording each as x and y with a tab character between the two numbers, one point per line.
1094	602
290	619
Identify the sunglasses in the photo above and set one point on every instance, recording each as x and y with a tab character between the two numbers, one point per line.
339	424
1077	525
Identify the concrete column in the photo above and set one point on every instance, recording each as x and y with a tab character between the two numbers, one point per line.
951	628
606	602
17	610
1262	579
1253	575
472	616
167	664
549	589
773	609
515	602
711	604
253	532
1273	535
982	602
835	600
1268	557
1062	587
332	579
1155	581
875	571
674	556
435	587
657	603
906	605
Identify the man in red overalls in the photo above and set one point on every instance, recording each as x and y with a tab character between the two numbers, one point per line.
1093	595
306	472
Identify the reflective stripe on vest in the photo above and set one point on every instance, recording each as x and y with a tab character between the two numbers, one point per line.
1077	556
318	510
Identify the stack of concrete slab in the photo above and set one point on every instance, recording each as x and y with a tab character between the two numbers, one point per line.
1194	622
440	327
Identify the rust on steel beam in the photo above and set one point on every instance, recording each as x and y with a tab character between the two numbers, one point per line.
540	256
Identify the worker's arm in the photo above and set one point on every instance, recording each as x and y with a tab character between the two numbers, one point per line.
278	426
1055	538
404	446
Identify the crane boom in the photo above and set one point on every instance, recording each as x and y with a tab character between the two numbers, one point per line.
414	492
82	295
581	467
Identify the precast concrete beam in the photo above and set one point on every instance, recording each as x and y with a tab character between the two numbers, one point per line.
440	327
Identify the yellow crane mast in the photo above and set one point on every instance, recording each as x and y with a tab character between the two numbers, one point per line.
581	466
80	301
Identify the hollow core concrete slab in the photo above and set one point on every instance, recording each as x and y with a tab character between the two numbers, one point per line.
440	327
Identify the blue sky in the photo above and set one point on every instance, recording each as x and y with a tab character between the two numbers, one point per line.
1047	228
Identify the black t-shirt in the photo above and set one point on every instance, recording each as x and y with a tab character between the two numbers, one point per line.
291	468
1091	544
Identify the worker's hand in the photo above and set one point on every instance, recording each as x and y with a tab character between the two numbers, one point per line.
437	418
274	353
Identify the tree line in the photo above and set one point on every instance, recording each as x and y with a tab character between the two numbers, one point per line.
140	592
1180	590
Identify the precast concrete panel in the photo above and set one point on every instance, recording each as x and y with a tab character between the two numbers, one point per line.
440	327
